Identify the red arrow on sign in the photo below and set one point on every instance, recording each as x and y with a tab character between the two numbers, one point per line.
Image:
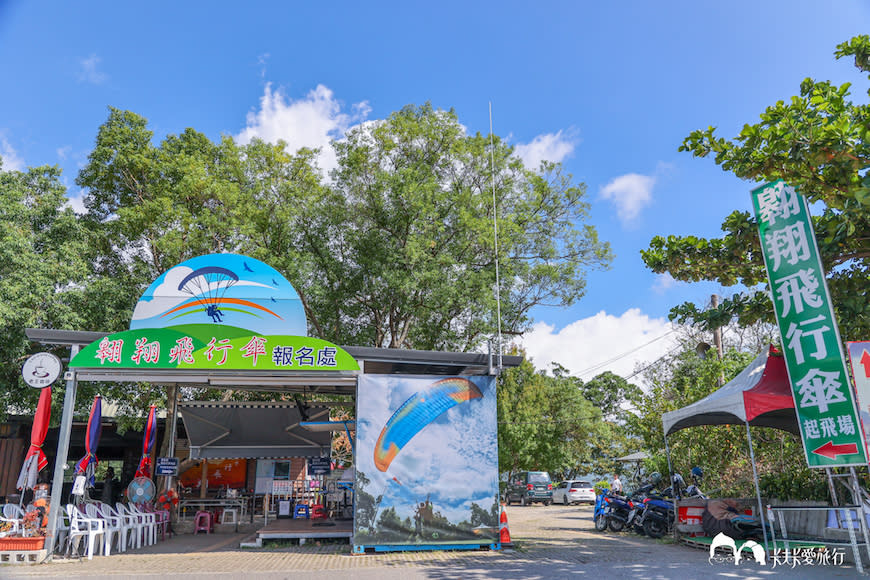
865	361
831	451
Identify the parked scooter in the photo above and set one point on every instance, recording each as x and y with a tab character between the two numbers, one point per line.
618	512
611	511
657	516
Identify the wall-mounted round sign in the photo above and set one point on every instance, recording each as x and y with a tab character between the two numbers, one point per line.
41	370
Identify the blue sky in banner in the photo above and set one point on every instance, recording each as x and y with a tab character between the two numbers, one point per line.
453	459
608	89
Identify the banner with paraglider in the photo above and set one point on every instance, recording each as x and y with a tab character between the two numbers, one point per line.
426	462
220	311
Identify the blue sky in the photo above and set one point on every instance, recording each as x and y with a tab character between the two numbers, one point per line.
608	89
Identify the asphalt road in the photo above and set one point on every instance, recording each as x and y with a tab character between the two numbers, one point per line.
550	542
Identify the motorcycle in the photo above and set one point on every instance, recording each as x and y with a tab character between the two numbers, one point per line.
658	514
611	511
618	512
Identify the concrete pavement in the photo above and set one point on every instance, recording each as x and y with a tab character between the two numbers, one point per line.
552	542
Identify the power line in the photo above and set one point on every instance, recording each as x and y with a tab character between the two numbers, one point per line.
625	354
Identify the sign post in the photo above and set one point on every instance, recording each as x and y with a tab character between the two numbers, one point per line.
166	466
829	424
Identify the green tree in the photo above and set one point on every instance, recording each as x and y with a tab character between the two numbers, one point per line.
42	269
544	422
411	258
818	141
721	451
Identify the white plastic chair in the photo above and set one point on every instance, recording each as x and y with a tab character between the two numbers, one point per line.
81	526
14	515
135	522
161	517
125	525
149	522
60	547
112	525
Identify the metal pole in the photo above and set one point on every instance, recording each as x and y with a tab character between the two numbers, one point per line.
69	404
757	488
172	430
832	489
859	501
676	521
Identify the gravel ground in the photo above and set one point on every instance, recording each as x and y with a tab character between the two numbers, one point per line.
550	542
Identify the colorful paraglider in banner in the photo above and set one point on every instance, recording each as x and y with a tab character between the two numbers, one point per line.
418	411
208	285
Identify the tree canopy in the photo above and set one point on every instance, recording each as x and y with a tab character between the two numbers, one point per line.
43	263
395	248
819	141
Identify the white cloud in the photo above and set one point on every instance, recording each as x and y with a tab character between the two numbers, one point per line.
664	282
77	201
310	122
591	346
11	160
630	193
88	72
553	147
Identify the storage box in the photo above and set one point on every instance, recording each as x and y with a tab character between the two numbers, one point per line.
17	543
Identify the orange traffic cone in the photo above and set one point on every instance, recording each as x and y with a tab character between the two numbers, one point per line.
503	532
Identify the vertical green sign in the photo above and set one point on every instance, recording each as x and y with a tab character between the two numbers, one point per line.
820	385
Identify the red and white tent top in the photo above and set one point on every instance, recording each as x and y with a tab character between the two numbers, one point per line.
760	395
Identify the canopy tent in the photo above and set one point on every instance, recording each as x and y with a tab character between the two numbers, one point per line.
253	430
760	395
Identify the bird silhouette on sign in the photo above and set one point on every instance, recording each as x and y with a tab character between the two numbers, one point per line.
273	282
273	300
247	268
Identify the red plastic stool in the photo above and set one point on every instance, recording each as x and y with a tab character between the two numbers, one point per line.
203	522
317	512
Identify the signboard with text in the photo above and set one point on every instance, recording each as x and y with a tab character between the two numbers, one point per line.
828	419
167	466
859	357
318	465
217	312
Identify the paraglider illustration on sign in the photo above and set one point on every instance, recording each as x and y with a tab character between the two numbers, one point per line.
219	311
417	412
427	461
209	284
225	289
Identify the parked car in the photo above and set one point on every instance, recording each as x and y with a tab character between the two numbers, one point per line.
529	487
574	491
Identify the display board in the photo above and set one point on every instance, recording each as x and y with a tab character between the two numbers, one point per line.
426	462
825	407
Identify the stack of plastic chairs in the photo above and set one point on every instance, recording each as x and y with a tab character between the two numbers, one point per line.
161	517
136	524
121	525
83	527
111	526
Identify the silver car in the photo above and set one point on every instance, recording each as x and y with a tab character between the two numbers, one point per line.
574	491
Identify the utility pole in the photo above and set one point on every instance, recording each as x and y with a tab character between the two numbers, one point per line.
717	333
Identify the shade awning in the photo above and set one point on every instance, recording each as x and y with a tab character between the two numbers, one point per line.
760	394
253	430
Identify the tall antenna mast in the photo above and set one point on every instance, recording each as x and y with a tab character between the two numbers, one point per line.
495	231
